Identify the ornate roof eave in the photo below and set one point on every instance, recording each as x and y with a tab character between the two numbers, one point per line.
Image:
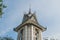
30	22
33	15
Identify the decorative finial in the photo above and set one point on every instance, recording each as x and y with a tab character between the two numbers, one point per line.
30	9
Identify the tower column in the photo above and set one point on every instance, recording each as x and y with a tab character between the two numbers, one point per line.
32	32
40	35
18	38
28	33
25	37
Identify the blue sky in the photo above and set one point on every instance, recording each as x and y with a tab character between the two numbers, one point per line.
47	13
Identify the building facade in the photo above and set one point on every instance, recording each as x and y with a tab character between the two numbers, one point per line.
29	29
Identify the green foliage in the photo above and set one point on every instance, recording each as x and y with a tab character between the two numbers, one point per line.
1	7
6	38
0	4
0	0
1	12
4	6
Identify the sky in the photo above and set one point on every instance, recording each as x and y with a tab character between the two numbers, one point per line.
47	13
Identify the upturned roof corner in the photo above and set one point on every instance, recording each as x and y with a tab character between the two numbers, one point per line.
30	18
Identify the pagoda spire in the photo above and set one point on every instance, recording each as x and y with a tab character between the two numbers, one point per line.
30	9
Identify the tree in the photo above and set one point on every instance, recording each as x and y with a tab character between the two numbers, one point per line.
1	7
6	38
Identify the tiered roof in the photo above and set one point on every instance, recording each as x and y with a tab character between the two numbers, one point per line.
30	18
